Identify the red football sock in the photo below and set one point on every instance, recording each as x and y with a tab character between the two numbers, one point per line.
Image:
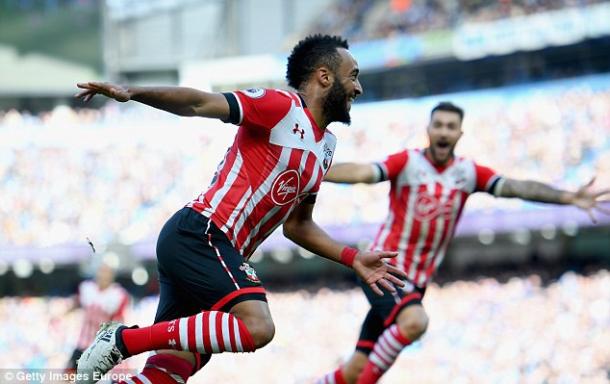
206	332
163	368
335	377
386	350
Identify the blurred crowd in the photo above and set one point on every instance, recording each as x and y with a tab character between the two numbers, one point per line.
118	174
485	331
374	19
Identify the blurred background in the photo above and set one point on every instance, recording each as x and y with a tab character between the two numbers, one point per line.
524	294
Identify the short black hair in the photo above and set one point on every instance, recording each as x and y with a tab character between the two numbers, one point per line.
311	53
449	107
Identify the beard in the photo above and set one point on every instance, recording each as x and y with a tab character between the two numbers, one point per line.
335	105
436	155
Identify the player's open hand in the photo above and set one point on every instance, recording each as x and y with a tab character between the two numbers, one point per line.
113	91
373	270
589	201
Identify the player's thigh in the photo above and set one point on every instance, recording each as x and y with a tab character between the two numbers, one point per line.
203	266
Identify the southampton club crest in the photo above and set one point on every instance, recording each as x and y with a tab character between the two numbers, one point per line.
250	273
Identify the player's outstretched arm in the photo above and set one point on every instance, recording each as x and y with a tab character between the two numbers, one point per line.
352	173
178	100
370	266
584	198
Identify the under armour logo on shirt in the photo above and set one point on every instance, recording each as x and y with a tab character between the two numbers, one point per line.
296	129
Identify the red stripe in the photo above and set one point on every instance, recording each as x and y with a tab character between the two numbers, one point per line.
391	354
398	336
136	380
414	237
296	99
207	345
190	334
365	344
405	300
244	291
381	358
222	174
293	163
232	333
398	205
425	252
431	268
219	336
387	351
262	207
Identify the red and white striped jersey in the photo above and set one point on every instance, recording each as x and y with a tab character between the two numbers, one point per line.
100	306
278	159
426	202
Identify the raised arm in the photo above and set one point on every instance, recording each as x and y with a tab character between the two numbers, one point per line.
583	198
178	100
369	266
352	173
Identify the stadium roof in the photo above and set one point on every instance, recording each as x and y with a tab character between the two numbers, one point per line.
39	75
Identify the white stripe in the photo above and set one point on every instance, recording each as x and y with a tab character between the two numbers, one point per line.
241	110
237	209
212	328
331	378
378	362
384	171
177	378
421	242
266	234
225	332
394	343
405	237
438	232
143	378
382	353
262	190
199	333
441	254
385	231
129	381
222	261
231	177
237	336
275	209
258	226
314	176
184	340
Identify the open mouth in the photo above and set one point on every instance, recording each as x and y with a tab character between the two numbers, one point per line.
442	144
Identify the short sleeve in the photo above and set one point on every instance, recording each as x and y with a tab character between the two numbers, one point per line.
487	179
258	108
392	165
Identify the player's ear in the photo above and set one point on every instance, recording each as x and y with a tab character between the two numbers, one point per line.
324	76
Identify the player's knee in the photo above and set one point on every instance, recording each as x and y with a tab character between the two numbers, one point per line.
263	333
414	325
256	316
262	330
